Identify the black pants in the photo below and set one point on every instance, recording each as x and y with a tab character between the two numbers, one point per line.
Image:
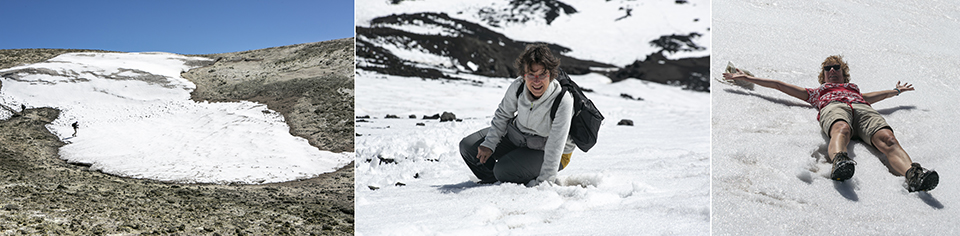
508	163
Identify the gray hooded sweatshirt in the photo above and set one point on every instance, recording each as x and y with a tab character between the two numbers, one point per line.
533	117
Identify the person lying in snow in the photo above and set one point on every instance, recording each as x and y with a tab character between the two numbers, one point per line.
523	144
846	113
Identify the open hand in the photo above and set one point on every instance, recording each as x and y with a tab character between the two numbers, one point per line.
905	87
735	76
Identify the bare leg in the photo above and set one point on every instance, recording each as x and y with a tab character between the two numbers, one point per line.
839	138
889	146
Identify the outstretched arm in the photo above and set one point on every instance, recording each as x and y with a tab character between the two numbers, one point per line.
789	89
877	96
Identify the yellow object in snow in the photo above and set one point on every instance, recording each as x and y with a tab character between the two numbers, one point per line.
564	160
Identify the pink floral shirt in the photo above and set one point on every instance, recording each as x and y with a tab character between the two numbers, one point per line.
829	92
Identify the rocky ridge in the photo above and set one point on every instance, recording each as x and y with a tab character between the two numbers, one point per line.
311	84
17	57
473	48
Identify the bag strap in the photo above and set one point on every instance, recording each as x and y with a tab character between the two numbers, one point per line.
561	79
520	89
556	103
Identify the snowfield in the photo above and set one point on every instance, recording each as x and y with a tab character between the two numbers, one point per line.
768	169
136	120
650	178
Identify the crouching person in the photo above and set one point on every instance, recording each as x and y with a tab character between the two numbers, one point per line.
523	144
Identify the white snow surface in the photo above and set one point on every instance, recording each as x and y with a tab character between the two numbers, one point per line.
767	179
136	120
593	33
651	178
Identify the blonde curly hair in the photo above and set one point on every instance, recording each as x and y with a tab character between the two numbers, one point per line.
833	60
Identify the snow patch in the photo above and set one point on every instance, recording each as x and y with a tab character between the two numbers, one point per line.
136	120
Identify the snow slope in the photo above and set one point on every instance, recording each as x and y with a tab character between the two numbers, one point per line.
137	120
650	178
594	33
766	175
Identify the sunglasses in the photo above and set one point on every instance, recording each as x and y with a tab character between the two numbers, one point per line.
834	67
544	75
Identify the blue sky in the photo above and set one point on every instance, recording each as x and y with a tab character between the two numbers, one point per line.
184	27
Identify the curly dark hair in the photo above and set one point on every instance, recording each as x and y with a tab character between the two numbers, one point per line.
538	54
832	60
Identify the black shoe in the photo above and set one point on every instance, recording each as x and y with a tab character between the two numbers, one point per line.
843	167
920	179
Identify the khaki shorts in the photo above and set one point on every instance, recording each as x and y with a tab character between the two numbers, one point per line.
864	120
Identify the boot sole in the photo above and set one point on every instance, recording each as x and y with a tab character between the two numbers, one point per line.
843	171
929	181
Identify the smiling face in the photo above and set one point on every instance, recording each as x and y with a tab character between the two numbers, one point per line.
538	67
835	70
537	80
833	74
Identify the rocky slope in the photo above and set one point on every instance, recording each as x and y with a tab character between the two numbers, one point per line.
474	48
310	84
439	45
16	57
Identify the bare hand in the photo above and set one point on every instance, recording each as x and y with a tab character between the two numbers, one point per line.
905	87
735	76
483	153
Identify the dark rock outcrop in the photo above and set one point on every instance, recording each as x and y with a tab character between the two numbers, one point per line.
676	43
689	73
523	11
447	116
474	48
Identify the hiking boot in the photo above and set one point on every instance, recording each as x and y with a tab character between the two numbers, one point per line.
920	179
843	167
